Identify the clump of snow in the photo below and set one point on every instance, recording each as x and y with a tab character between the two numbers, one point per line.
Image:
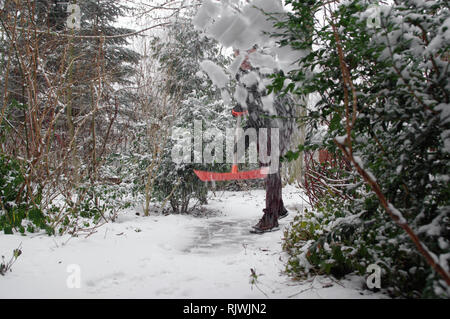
226	97
358	161
371	176
443	261
207	11
445	112
445	135
319	134
443	243
241	96
396	212
235	32
341	139
234	66
259	60
215	73
267	102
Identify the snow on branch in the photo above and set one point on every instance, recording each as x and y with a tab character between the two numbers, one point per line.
345	145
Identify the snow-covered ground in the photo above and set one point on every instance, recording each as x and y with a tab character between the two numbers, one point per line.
173	256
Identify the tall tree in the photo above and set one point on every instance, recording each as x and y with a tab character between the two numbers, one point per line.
179	54
62	90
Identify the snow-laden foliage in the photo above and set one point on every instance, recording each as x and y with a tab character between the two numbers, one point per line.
241	29
182	52
399	65
63	109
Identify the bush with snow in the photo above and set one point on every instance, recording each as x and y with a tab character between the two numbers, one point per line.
399	127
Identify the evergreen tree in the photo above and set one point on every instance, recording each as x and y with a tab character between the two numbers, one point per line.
180	54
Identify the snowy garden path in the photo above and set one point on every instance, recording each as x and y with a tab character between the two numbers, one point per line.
173	256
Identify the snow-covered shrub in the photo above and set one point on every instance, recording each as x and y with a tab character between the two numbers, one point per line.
398	122
177	182
83	207
180	55
60	125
